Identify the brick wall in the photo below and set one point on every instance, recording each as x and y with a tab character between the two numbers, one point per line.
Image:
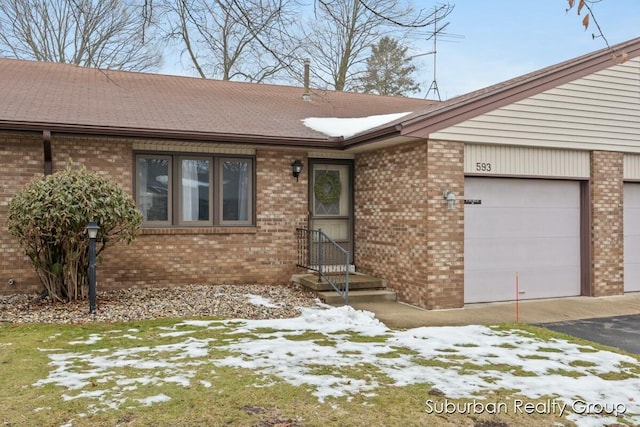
265	253
607	241
404	232
390	218
445	248
21	160
109	157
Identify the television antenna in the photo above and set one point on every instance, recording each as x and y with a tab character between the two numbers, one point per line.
438	31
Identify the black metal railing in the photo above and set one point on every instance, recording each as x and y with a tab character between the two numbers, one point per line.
320	253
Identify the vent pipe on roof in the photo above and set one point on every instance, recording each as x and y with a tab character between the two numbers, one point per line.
307	94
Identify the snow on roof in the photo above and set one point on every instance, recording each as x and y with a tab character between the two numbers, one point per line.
347	127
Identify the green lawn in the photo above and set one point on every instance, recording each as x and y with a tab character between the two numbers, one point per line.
169	372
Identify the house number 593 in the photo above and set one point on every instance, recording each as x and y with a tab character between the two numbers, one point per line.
483	167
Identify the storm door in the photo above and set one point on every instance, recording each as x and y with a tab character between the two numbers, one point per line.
330	201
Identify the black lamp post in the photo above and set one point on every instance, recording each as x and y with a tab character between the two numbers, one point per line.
92	231
296	168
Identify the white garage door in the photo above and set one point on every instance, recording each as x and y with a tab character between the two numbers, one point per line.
525	226
632	237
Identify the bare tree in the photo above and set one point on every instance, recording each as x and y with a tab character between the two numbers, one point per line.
233	39
95	33
342	31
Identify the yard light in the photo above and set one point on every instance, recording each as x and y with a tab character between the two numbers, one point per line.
296	168
450	197
92	231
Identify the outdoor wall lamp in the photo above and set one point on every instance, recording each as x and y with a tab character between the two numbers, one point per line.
92	230
450	197
296	168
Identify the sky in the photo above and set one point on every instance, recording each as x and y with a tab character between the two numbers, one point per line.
577	375
502	39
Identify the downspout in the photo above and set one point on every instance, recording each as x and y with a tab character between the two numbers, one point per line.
46	143
48	169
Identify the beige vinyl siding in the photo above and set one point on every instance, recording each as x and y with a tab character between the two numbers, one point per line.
525	161
597	112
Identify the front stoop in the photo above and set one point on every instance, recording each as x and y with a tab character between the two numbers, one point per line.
362	288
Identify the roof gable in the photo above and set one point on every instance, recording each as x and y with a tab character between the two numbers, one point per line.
600	111
459	109
478	102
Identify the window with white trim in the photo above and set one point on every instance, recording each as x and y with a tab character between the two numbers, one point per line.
194	190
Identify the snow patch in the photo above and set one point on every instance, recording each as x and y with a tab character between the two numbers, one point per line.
347	127
148	401
260	300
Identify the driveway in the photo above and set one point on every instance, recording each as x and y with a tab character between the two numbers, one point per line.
618	331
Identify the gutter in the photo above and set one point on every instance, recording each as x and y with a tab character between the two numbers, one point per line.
141	133
371	137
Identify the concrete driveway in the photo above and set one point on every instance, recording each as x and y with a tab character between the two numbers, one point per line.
402	316
618	331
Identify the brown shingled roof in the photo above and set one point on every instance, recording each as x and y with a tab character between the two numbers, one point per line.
67	98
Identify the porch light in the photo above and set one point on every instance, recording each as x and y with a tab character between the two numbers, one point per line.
296	168
92	230
450	197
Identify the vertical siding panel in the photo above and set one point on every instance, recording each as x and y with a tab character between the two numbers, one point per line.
527	161
631	166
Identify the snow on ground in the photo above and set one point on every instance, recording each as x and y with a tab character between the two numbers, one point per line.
462	362
347	127
260	300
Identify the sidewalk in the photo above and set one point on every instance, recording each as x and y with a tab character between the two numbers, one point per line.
403	316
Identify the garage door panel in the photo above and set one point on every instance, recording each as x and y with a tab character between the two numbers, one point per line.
530	194
529	226
632	249
631	237
489	286
517	254
522	222
632	277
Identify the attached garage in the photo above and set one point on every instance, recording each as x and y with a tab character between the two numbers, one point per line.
632	237
528	227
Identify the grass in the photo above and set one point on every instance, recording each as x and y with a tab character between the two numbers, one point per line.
202	392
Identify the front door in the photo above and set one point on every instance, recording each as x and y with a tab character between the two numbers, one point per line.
330	201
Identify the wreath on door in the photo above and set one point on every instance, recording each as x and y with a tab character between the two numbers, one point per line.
327	188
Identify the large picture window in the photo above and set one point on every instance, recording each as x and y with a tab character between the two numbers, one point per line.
183	190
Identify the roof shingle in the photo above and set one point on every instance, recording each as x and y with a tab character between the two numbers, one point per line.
44	95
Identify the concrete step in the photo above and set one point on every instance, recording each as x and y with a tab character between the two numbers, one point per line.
358	296
357	281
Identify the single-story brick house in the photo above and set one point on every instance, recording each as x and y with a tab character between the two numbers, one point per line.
542	173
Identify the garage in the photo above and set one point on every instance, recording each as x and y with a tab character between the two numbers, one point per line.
528	227
631	237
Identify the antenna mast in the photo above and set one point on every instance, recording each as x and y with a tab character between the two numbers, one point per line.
433	35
